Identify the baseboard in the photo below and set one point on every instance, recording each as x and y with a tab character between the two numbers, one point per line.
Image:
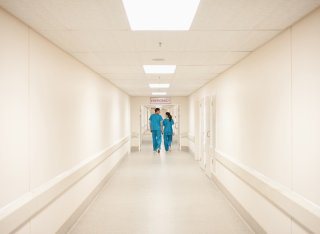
256	228
185	148
189	150
134	148
68	225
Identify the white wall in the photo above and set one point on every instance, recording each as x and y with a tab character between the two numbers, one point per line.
268	120
136	102
55	113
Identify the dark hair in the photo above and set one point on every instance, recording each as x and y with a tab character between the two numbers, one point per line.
169	115
157	109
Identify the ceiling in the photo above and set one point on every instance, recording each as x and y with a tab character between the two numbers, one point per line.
97	33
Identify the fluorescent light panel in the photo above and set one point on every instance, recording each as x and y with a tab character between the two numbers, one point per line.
159	93
160	86
159	69
160	14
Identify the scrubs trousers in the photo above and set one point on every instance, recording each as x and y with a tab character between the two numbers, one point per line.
156	139
167	141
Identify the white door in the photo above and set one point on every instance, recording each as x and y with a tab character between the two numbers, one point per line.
212	135
207	136
141	132
202	138
175	112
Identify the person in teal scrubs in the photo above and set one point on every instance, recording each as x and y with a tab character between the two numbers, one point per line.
156	129
168	132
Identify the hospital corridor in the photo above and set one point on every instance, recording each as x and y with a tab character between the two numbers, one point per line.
159	116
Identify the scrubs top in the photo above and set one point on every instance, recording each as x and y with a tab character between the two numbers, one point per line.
155	120
168	126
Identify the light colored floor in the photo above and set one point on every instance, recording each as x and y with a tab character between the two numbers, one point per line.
166	194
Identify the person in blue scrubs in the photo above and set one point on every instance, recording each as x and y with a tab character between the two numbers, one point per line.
156	129
168	132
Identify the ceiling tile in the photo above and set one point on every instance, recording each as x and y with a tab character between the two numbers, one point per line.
201	58
169	41
33	14
124	40
123	76
250	15
153	57
118	69
198	69
118	58
194	76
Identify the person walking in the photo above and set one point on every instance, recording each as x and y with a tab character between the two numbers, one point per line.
156	128
168	132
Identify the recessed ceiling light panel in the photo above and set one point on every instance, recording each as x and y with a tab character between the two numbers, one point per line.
160	14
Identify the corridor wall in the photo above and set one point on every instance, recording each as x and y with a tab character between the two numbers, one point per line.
63	128
268	131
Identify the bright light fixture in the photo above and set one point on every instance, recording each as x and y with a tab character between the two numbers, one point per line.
160	86
159	93
160	14
159	69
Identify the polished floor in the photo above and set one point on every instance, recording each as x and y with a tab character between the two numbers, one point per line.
166	194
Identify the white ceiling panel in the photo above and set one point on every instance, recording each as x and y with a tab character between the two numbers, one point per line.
190	83
202	69
155	57
186	77
208	40
160	77
78	15
250	15
124	40
115	10
118	58
227	40
97	33
128	76
103	69
32	14
82	41
284	13
128	83
202	58
149	41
